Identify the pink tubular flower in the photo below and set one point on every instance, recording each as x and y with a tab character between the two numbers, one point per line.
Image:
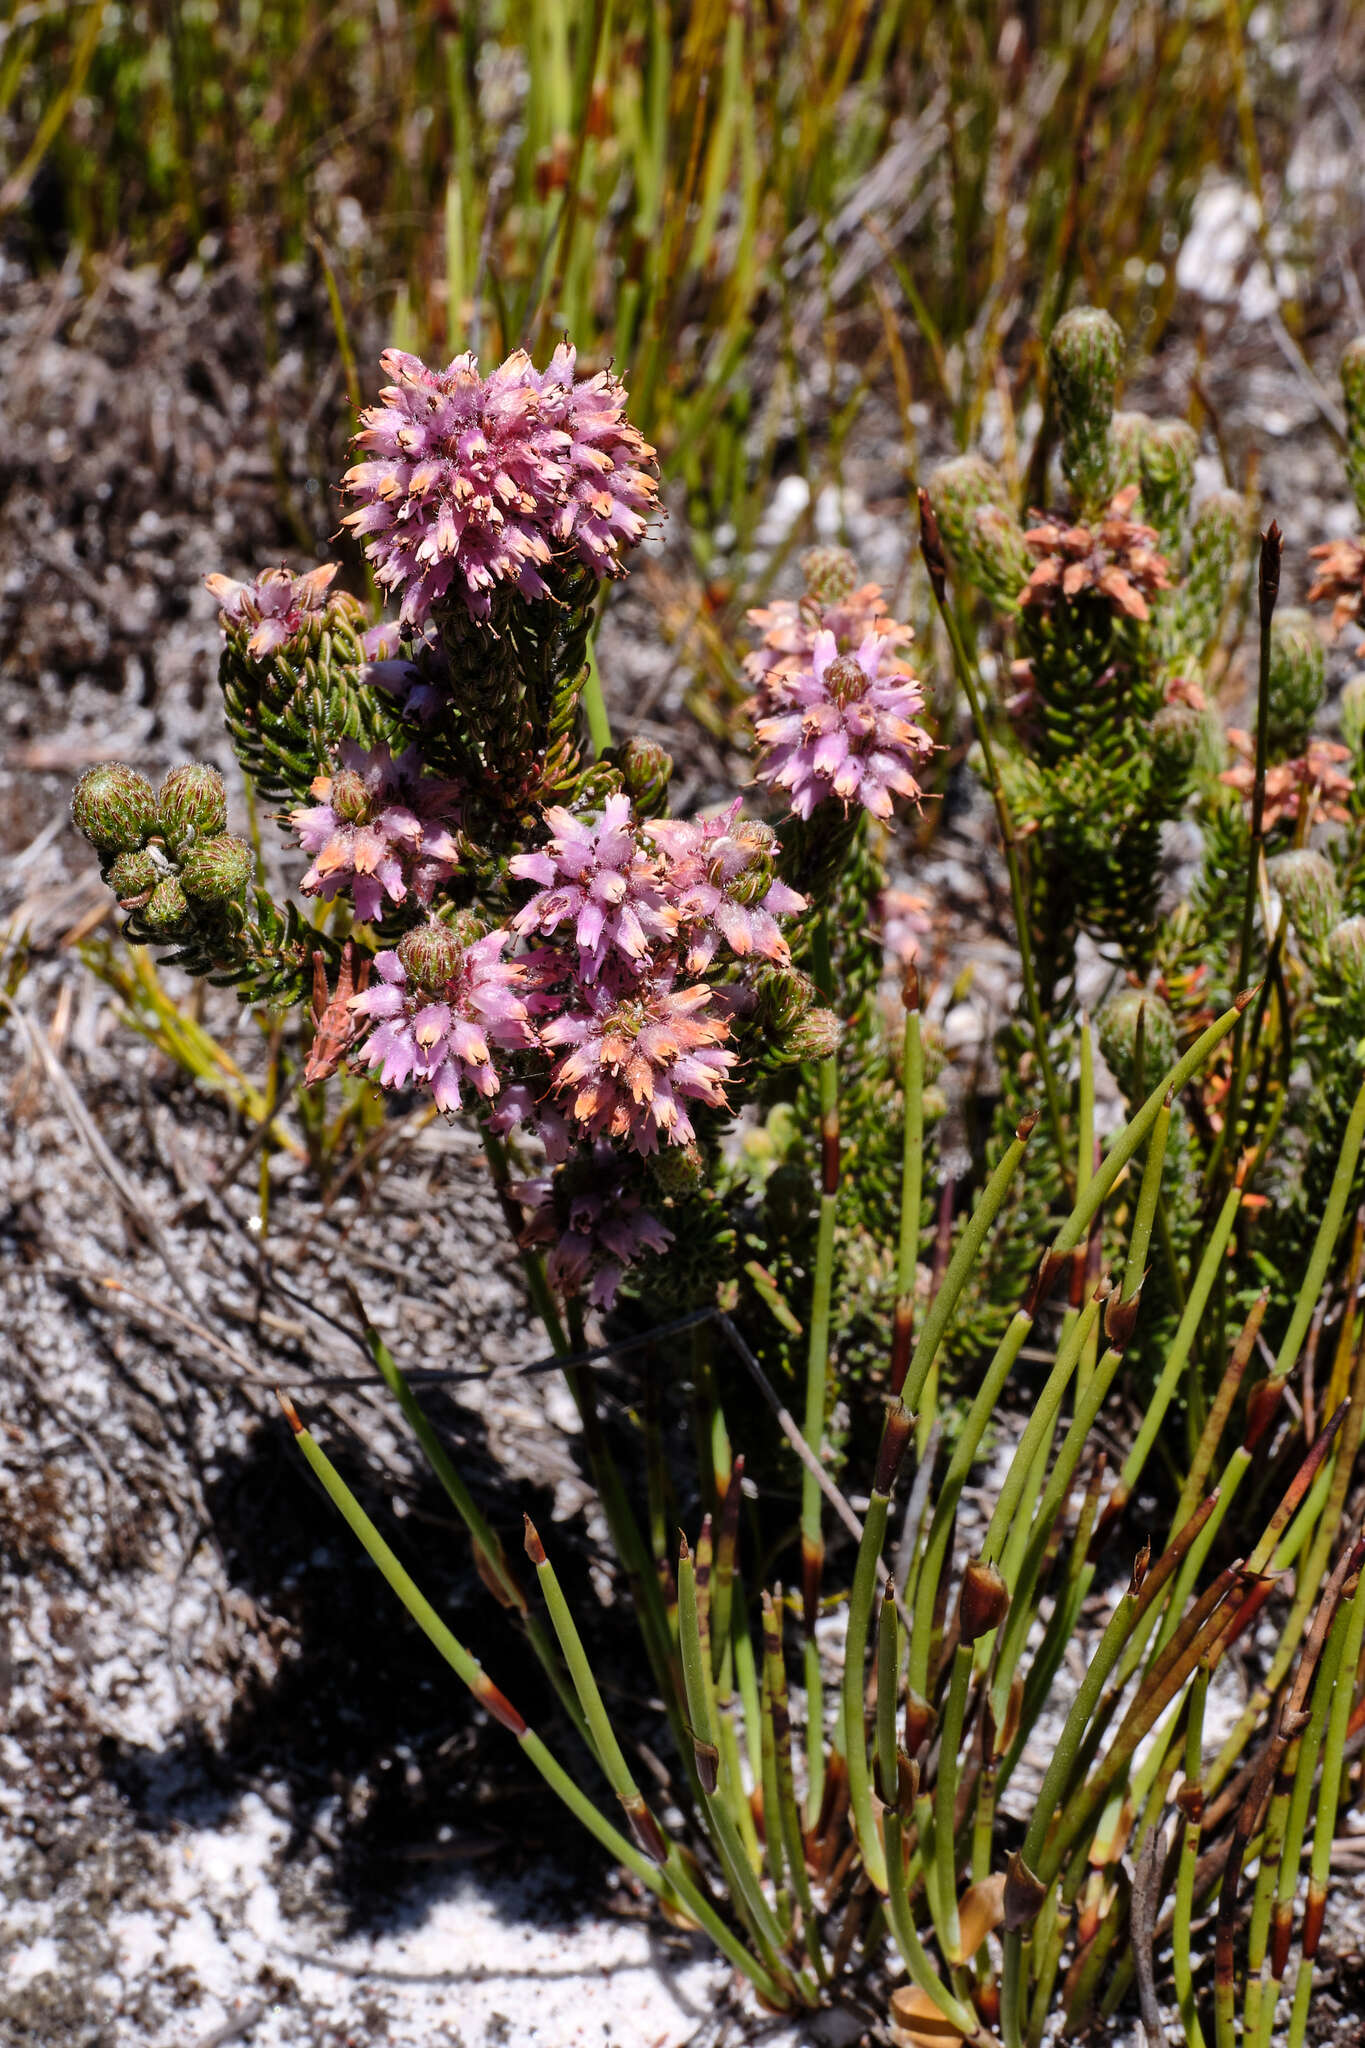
443	1039
718	879
591	1216
599	877
635	1058
471	483
841	728
790	630
381	827
276	605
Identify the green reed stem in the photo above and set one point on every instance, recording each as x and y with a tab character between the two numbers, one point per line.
745	1889
490	1556
1340	1689
1182	1959
467	1668
775	1684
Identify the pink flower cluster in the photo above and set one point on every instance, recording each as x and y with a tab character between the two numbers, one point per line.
444	1039
593	1220
471	483
790	629
601	1038
381	827
277	605
843	728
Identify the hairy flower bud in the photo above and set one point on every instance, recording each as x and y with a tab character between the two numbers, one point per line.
1353	391
1352	705
1167	458
133	876
784	996
114	807
645	769
984	538
1176	732
1346	949
677	1170
215	869
815	1036
1307	884
1118	1023
350	796
1297	681
830	573
430	954
191	804
1085	355
1219	536
166	912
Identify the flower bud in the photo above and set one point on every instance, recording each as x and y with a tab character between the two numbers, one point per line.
645	769
784	995
1176	732
114	807
191	804
1219	533
984	1600
1297	680
1128	432
132	877
1169	451
431	954
1353	391
215	869
350	796
1085	355
1346	949
752	883
1352	703
984	538
1307	884
166	912
814	1037
830	573
677	1169
1117	1023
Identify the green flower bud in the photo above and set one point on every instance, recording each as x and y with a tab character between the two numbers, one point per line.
958	490
1117	1024
166	912
1352	703
216	869
830	573
815	1036
191	804
1169	451
1220	535
1346	949
1085	355
1297	681
753	885
1307	884
1353	391
1177	731
1128	432
784	996
350	798
114	807
132	877
645	769
430	954
677	1169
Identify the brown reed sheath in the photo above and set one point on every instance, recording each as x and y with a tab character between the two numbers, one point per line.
497	1704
